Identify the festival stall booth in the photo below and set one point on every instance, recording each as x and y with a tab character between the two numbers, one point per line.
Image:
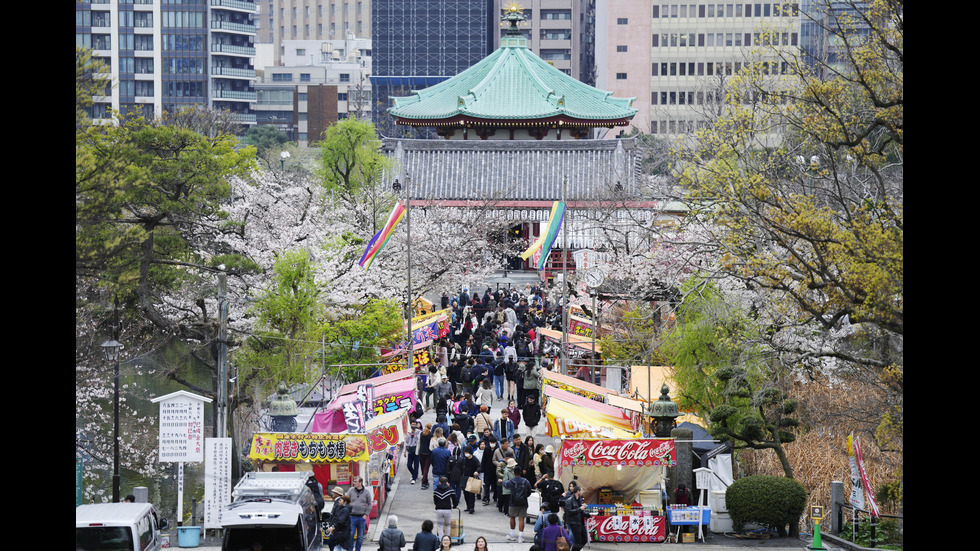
616	474
570	415
603	449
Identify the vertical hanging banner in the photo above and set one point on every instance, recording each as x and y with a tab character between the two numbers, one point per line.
381	238
859	478
365	395
544	243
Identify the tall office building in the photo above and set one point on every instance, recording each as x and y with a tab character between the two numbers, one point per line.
417	43
675	57
317	20
561	32
163	55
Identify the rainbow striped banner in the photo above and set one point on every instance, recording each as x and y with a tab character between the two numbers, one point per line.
381	238
547	239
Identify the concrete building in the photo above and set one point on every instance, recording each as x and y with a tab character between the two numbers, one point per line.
166	56
561	32
320	83
317	20
676	57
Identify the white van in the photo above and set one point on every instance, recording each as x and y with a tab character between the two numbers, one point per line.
117	527
276	509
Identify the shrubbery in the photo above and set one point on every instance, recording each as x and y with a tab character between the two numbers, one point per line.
774	501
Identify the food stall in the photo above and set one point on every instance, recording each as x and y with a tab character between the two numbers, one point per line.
336	457
572	415
391	392
616	474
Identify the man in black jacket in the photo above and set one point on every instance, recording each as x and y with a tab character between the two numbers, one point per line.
444	498
531	412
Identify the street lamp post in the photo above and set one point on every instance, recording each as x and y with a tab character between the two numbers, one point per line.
111	350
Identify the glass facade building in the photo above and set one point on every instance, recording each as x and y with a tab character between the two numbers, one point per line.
418	43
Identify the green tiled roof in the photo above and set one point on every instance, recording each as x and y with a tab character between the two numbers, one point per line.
513	84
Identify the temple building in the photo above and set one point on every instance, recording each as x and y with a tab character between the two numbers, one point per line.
513	94
520	134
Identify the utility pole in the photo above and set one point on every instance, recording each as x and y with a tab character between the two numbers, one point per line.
221	416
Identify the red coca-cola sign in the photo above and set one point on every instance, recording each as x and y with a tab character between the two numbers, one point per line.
640	452
626	528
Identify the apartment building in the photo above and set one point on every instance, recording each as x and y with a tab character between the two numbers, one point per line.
163	55
675	57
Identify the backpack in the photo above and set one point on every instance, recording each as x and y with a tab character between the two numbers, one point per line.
454	467
498	368
518	492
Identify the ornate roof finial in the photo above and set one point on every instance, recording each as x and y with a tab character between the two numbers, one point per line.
514	16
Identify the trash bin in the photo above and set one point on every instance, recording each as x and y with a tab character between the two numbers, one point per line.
188	536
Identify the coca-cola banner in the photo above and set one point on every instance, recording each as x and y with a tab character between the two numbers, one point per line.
639	452
626	528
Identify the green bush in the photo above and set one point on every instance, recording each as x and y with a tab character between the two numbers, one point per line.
773	501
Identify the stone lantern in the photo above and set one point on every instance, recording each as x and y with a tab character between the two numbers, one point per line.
664	413
283	411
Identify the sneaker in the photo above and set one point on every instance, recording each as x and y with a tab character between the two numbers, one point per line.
413	481
510	537
520	538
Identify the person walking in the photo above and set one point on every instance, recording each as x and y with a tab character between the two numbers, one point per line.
440	460
503	428
505	474
532	381
489	469
361	499
338	533
391	539
532	413
519	488
551	533
425	454
575	515
445	501
482	421
426	540
412	460
470	467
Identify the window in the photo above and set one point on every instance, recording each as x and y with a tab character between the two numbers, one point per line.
344	77
304	77
622	21
282	77
620	76
620	48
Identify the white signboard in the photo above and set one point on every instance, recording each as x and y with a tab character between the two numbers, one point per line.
217	479
181	427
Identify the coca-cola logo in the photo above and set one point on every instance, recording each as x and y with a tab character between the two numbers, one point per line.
574	450
640	452
626	528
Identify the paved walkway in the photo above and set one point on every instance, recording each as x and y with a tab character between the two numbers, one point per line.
412	505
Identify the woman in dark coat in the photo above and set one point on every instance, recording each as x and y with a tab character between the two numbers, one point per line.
338	533
471	467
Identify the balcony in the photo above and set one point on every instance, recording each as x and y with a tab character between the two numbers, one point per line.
231	49
232	72
234	95
229	26
240	5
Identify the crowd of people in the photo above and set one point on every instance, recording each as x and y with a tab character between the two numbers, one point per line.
551	533
485	390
